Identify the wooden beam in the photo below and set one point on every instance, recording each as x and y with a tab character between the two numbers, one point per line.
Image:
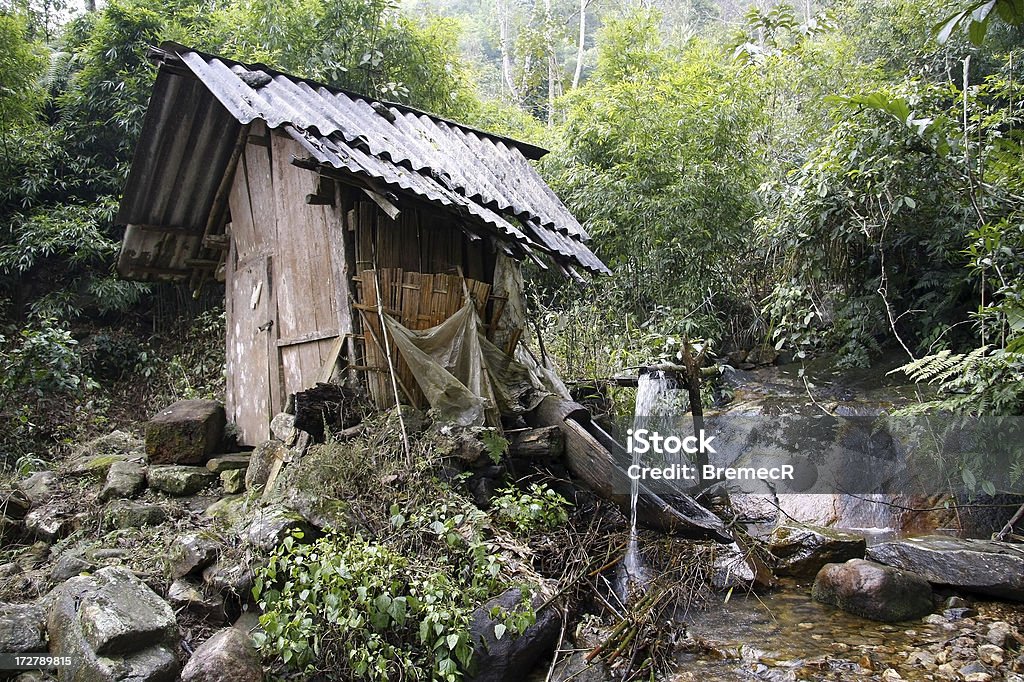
384	203
318	335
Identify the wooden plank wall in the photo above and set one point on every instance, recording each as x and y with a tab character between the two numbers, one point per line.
306	292
418	301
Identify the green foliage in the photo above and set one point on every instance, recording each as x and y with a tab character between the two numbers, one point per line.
495	444
359	609
658	158
539	508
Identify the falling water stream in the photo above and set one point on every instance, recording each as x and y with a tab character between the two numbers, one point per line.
654	398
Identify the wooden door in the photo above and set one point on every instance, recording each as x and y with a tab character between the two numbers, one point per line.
250	336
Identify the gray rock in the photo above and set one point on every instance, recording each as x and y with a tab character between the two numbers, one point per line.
987	567
1000	633
228	656
128	514
233	481
190	553
116	612
69	565
22	629
222	463
731	568
124	479
95	457
229	578
508	658
48	523
39	487
187	432
273	524
873	591
283	428
801	550
114	628
261	462
576	669
229	510
185	594
180	480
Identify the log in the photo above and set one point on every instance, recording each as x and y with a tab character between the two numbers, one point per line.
541	443
324	406
590	459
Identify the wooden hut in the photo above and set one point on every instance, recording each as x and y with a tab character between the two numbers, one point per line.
320	209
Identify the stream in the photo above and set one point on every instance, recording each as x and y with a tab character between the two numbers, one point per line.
782	634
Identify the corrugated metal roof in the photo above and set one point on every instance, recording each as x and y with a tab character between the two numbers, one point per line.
188	137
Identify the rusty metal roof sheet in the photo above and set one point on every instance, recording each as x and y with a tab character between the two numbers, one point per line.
187	140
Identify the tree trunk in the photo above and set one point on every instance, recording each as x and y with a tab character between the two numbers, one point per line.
505	38
581	44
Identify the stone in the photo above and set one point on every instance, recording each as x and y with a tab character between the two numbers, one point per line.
229	578
222	463
95	457
283	428
180	480
890	675
873	591
116	612
190	553
801	550
40	487
185	594
124	479
999	633
22	629
575	668
990	654
731	568
128	514
261	462
506	659
983	566
48	523
229	510
228	656
69	565
233	481
114	628
187	432
273	524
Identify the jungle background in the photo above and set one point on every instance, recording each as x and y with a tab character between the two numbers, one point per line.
841	177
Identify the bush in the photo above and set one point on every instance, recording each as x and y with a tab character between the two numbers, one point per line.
541	508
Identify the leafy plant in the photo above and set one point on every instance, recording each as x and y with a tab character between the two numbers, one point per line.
539	508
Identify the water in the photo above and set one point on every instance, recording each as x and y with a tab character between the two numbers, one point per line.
656	397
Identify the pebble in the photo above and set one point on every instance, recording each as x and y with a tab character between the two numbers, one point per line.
999	633
890	675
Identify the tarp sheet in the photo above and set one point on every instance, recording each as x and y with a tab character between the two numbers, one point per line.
466	378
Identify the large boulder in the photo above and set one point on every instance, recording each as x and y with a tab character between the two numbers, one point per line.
180	480
801	550
507	658
22	629
40	486
114	628
228	656
873	591
187	432
987	567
